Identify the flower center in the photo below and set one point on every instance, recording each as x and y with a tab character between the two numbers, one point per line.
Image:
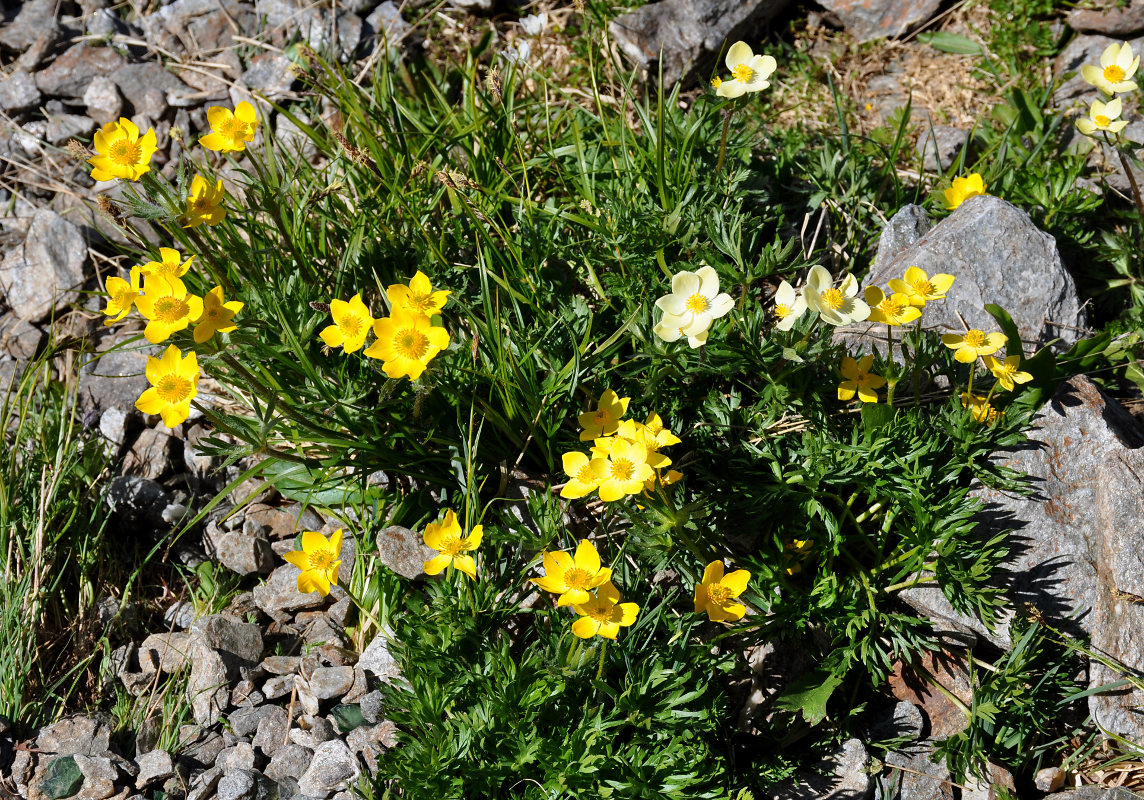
124	152
743	73
600	612
173	389
451	545
716	82
697	304
1113	73
233	128
891	308
833	298
600	417
351	326
171	309
782	310
421	303
924	288
576	578
622	469
125	296
411	344
974	338
718	594
321	560
585	475
1101	121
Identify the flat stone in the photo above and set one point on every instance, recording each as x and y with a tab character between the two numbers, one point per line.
945	717
28	25
102	99
62	127
691	34
273	730
149	88
281	665
80	735
18	92
207	688
20	338
867	20
240	551
279	594
330	682
289	761
333	769
72	71
99	776
376	658
239	756
204	783
237	785
271	74
1111	20
240	641
116	376
154	766
403	551
842	775
46	272
152	456
385	25
368	743
940	145
278	686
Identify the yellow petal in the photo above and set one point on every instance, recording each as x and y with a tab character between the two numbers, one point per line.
434	565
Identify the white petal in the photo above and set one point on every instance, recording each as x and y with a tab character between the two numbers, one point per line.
1108	57
708	282
738	53
721	306
675	304
856	310
819	278
849	286
667	330
685	283
699	323
699	340
785	295
731	89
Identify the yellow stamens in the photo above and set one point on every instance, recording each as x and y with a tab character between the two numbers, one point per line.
576	578
585	475
125	153
622	469
833	298
411	344
974	338
1101	121
171	309
782	310
1113	73
173	389
743	73
718	594
697	304
924	288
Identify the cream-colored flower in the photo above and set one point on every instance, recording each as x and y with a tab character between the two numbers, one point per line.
839	306
1102	117
695	299
789	306
670	329
1117	66
749	72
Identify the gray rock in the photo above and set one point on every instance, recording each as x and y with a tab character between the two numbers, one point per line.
278	686
243	551
279	595
305	696
113	426
906	721
240	642
903	229
46	271
1095	793
329	682
690	33
372	704
367	743
150	89
179	615
1049	779
62	127
333	769
207	686
385	25
317	731
199	747
403	551
80	735
376	658
31	59
245	693
154	766
1111	20
18	92
239	756
338	36
102	99
22	32
203	784
866	20
940	145
998	256
271	74
20	338
237	785
116	376
842	775
912	775
152	456
72	72
99	776
289	761
281	665
273	730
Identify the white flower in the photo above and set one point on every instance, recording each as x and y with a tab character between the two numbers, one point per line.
534	24
695	300
1102	117
1117	66
670	329
749	72
518	53
789	306
837	306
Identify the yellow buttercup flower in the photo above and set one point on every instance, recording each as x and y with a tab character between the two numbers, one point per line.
1116	68
121	152
447	538
859	379
418	297
406	343
352	323
920	288
626	469
230	131
796	550
1007	372
573	577
168	307
715	595
204	203
894	309
319	560
586	474
963	189
174	383
605	420
169	265
217	315
980	407
121	296
972	344
1102	117
604	614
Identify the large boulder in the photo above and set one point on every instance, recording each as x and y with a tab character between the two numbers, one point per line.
866	20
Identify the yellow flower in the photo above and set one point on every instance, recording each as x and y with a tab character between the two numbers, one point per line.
716	82
174	383
837	306
894	309
789	306
204	204
170	265
626	469
352	322
749	72
963	189
446	537
319	560
980	407
796	550
418	297
1007	372
716	594
637	432
406	343
859	378
586	474
604	614
1116	67
572	578
1102	117
121	296
921	288
605	420
120	152
230	131
216	316
972	344
168	307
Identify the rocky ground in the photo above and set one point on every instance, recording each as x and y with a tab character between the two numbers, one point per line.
278	700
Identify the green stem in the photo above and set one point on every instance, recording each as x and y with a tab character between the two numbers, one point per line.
603	650
892	378
723	140
361	607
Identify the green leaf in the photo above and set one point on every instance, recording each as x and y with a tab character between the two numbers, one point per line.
875	416
809	695
952	43
62	778
348	716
